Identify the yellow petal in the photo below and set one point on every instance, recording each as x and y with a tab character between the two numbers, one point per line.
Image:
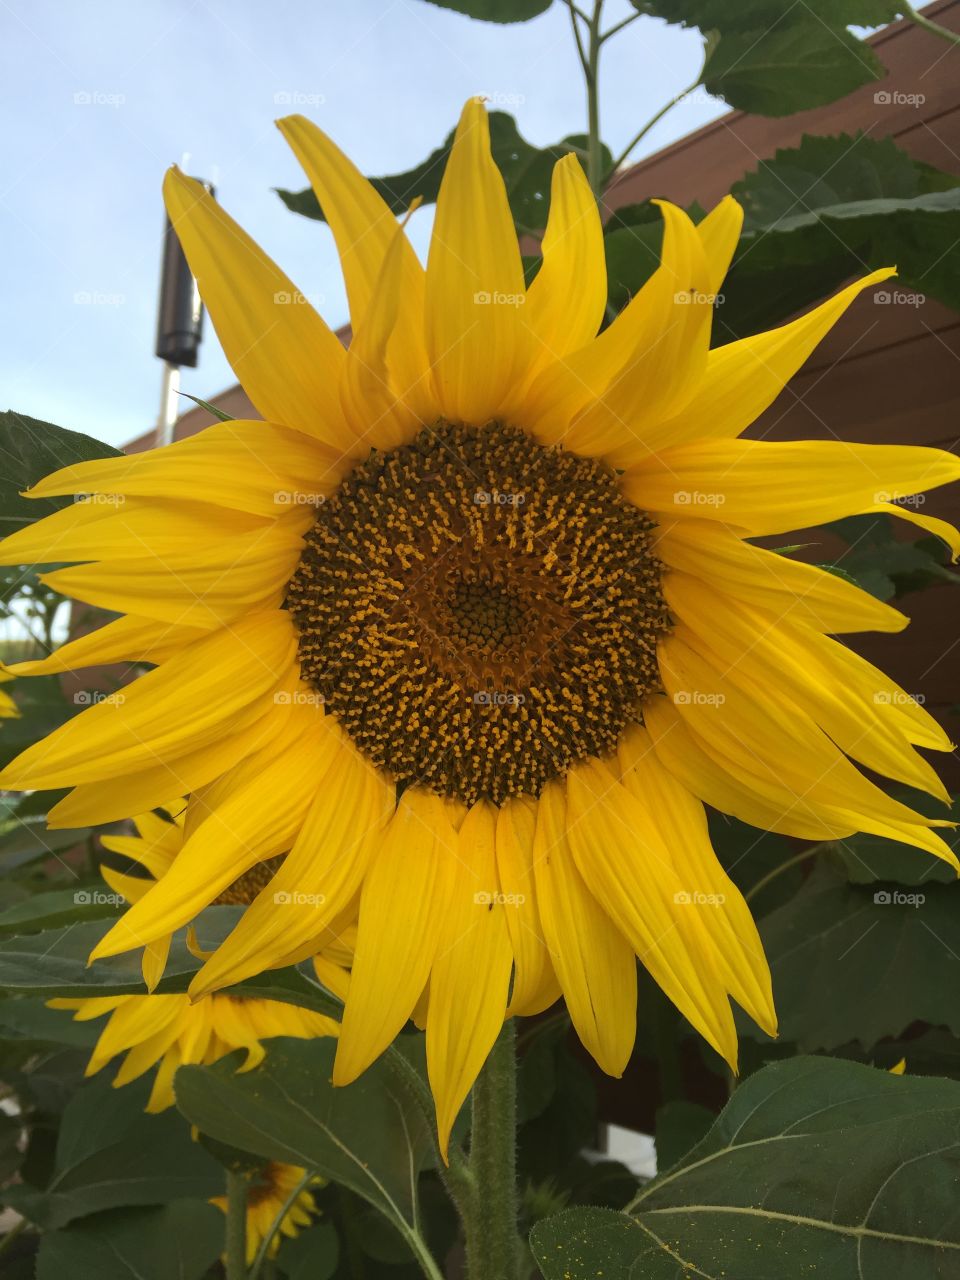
535	986
471	973
749	722
762	802
204	588
117	797
719	232
251	814
760	487
743	378
187	703
244	464
618	848
371	402
362	224
566	301
285	356
402	907
650	359
126	639
476	342
321	874
593	961
772	581
797	662
710	893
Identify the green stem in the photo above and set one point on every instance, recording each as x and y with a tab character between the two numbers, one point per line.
803	856
493	1245
944	33
594	152
260	1259
642	133
236	1226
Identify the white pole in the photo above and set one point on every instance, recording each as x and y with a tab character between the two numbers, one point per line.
169	404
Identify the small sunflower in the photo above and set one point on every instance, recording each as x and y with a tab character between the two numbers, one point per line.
270	1187
169	1031
472	625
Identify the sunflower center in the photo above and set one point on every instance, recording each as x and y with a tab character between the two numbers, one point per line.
479	611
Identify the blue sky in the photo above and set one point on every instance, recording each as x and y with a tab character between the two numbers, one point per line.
101	96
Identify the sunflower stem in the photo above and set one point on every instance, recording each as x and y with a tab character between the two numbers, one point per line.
236	1252
493	1243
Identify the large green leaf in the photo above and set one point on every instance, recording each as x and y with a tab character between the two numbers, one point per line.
857	962
496	10
526	171
788	67
111	1153
838	207
87	901
29	450
816	1167
885	566
368	1136
181	1239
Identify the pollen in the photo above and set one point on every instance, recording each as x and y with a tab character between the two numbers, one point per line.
479	611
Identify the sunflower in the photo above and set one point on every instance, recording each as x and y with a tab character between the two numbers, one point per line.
269	1191
472	625
170	1031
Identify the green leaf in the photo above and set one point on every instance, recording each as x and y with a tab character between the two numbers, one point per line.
883	565
181	1239
111	1153
26	1019
788	67
29	450
815	1167
496	10
210	408
526	171
885	953
746	14
60	906
838	207
368	1136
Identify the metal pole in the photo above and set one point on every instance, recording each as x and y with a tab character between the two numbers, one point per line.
169	406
